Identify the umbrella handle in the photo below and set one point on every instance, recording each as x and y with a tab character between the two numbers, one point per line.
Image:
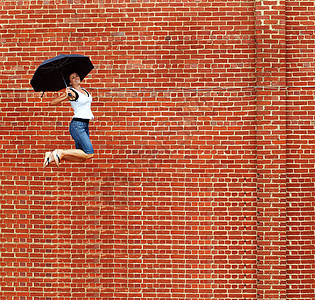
69	94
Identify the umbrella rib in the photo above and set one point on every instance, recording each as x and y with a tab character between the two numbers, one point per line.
55	65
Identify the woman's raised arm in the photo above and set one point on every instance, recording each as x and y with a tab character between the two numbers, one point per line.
61	98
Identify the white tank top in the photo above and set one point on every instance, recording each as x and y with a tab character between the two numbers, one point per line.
82	105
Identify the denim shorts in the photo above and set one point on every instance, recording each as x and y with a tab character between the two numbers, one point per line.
79	130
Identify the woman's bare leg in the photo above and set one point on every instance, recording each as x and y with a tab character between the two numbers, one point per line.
75	155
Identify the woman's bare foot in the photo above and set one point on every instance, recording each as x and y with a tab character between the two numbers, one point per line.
48	159
57	158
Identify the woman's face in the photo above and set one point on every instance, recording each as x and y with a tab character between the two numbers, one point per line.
74	79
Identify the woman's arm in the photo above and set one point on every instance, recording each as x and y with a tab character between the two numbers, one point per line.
62	97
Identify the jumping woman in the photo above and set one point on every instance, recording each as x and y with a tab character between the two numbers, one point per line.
80	100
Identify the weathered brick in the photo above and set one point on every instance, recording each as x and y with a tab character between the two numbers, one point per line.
202	182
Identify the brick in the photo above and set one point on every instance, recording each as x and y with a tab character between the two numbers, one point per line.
202	182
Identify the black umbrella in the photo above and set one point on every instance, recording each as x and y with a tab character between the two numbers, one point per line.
53	74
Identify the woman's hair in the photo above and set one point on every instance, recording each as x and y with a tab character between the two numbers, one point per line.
67	78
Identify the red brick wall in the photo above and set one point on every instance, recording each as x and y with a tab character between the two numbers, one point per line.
271	149
202	183
300	150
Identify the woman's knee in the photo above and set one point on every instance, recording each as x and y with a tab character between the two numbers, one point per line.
90	156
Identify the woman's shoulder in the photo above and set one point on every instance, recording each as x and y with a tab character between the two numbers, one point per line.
82	90
88	94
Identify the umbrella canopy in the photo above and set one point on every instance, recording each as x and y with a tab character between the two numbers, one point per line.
53	74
